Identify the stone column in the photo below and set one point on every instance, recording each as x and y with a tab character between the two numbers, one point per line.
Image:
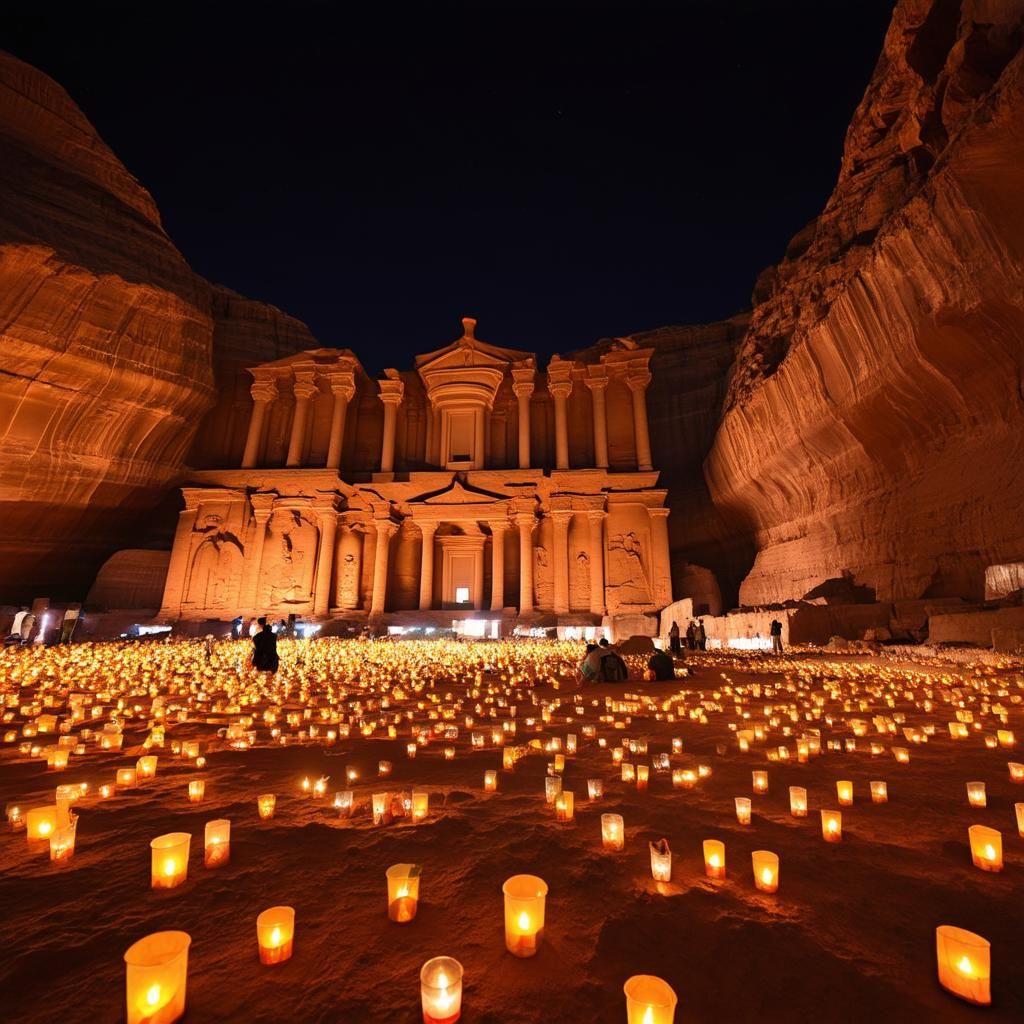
662	556
560	520
325	562
391	391
342	388
526	523
428	444
478	579
305	390
638	386
427	529
598	384
597	605
263	393
177	567
523	389
498	528
385	531
480	441
262	506
560	391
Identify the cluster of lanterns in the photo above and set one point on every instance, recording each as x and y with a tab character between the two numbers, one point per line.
71	701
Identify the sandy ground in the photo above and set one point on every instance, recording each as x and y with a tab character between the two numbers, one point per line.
848	937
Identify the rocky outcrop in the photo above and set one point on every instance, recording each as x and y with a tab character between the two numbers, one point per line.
110	345
872	430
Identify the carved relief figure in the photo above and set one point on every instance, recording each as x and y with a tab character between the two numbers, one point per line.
349	581
543	580
627	578
580	589
216	568
289	560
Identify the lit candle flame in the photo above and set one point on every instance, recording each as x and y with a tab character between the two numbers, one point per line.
169	866
45	827
766	876
153	995
648	1016
965	966
713	860
275	936
990	852
524	922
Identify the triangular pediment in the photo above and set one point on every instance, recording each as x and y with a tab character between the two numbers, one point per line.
459	494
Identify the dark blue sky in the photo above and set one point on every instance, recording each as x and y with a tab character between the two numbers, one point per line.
561	171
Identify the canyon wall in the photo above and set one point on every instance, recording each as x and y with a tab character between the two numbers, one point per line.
871	440
112	348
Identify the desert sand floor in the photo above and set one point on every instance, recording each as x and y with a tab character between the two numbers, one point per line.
850	935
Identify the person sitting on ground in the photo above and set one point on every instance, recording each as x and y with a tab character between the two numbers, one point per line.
662	665
590	664
613	668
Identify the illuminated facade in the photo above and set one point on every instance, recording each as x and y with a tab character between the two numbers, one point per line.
471	484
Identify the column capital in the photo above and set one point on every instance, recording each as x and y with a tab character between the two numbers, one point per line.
427	526
525	519
560	388
638	381
523	380
595	515
305	388
385	527
262	506
597	383
498	525
264	390
392	388
560	516
343	384
658	513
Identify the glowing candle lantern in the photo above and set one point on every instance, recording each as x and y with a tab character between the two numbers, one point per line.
441	990
490	782
552	787
1019	810
217	845
508	758
145	767
1005	737
628	772
743	810
381	808
649	1000
613	831
106	792
798	801
266	803
832	826
766	870
449	753
410	750
62	840
901	754
15	817
41	823
420	804
642	773
524	914
714	858
343	803
976	794
383	768
986	847
965	964
760	781
196	791
564	806
879	793
595	789
559	763
403	892
126	778
1016	771
169	860
275	933
156	975
844	793
684	778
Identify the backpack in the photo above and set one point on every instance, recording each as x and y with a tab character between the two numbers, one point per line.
613	669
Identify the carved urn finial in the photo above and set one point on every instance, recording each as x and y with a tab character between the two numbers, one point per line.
468	327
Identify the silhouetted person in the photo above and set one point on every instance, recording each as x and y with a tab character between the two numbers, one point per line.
662	666
776	634
236	627
673	639
691	635
264	648
702	637
28	624
591	663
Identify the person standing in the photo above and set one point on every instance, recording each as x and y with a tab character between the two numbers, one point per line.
662	665
236	627
691	635
673	639
702	637
264	648
776	634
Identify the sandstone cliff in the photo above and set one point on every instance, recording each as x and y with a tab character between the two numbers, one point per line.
871	439
110	345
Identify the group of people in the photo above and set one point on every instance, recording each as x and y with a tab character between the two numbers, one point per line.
696	638
602	663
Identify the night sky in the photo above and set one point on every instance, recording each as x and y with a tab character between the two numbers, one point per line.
563	172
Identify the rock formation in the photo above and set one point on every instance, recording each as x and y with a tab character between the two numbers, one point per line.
112	346
872	431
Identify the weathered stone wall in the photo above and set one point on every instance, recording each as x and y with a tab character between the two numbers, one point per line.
874	419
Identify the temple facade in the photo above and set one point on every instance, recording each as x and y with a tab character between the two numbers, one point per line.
473	486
